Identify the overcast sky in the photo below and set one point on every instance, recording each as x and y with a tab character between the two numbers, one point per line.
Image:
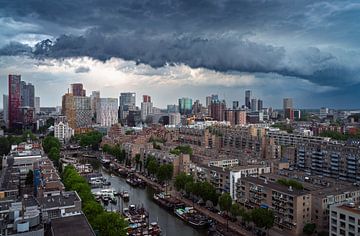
305	49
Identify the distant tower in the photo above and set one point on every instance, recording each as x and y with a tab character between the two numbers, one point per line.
248	99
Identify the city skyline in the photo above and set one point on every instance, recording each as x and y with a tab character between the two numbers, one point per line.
169	49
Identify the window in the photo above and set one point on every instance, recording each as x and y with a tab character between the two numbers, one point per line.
342	224
342	217
351	219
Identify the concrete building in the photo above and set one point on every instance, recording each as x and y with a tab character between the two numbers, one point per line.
291	207
77	109
107	111
288	108
324	111
77	89
344	220
146	107
254	105
94	97
63	131
243	171
217	109
127	102
248	99
6	110
14	99
174	119
37	105
172	108
27	94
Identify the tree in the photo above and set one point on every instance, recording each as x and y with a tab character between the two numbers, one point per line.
29	178
54	155
225	202
137	161
181	180
109	223
152	167
263	218
309	228
50	142
189	187
235	210
4	146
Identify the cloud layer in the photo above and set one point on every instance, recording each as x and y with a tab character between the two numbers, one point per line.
314	42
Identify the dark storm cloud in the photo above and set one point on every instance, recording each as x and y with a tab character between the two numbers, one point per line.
15	48
212	34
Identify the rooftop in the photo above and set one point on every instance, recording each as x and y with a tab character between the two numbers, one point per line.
276	186
71	225
62	200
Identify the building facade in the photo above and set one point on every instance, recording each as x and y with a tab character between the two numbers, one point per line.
107	111
63	132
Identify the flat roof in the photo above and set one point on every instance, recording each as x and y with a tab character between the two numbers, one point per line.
275	186
71	225
354	209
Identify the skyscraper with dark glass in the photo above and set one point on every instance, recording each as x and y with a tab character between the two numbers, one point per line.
185	106
14	99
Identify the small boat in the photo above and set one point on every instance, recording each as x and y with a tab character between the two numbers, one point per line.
125	196
192	217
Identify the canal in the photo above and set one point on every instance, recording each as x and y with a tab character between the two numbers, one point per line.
170	225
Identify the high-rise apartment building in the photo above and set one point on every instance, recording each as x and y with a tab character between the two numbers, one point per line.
14	99
27	94
127	102
77	89
6	109
260	105
235	105
146	107
172	108
37	105
288	108
197	107
217	109
77	109
94	97
185	106
344	219
248	99
107	111
254	105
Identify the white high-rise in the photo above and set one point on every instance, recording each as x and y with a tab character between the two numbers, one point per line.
37	105
146	107
63	131
107	111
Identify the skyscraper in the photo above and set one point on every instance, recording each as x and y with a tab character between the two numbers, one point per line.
78	90
14	99
107	111
217	108
288	108
146	107
254	105
27	92
6	109
248	99
37	105
235	105
196	108
94	97
260	105
185	106
127	102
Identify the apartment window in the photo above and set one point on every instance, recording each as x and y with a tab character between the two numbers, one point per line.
333	213
333	228
342	232
342	217
342	224
351	234
351	228
351	219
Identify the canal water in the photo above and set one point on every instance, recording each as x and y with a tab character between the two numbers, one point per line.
170	224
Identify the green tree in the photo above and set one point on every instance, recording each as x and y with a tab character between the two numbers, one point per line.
152	167
181	179
225	202
263	218
189	187
235	210
29	178
137	160
54	155
4	146
309	228
110	224
50	142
